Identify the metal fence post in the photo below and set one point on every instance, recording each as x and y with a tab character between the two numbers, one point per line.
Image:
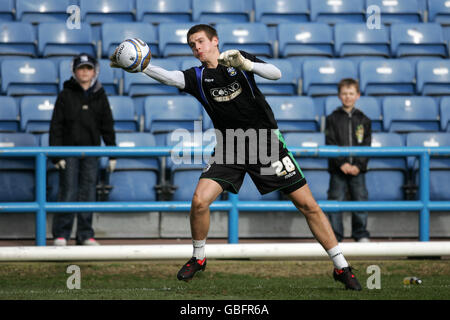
424	191
233	219
41	217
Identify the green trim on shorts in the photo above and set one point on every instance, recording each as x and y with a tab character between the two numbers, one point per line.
288	185
280	137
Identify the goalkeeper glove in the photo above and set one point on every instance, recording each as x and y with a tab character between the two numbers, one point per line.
233	58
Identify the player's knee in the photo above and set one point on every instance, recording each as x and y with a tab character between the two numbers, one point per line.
309	207
199	204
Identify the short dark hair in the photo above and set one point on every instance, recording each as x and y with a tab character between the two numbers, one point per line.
348	82
209	30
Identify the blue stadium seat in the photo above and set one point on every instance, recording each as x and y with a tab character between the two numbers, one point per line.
36	113
445	114
408	114
189	62
295	114
380	170
17	176
446	31
418	39
164	114
185	170
386	77
423	5
305	39
287	11
158	11
101	11
321	77
134	179
110	78
139	84
184	182
335	11
207	122
17	39
387	139
55	39
29	77
439	166
42	10
368	105
217	11
172	39
355	39
307	140
286	85
398	11
7	10
125	119
64	71
114	33
250	37
9	120
314	169
439	11
433	77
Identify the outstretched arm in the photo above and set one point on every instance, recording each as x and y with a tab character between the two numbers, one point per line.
171	78
266	70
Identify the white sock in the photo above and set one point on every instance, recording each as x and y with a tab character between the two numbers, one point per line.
199	249
337	257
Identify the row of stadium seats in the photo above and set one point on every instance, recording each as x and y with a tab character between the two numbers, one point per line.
139	179
285	40
162	114
215	11
312	77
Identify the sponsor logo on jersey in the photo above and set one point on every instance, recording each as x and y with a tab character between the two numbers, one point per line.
231	71
227	93
209	80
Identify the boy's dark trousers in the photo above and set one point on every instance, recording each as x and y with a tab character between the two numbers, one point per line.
77	183
340	183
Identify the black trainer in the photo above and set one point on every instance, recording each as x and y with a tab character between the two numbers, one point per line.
188	271
346	276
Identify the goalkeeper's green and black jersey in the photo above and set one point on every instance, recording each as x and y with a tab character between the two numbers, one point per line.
233	101
230	96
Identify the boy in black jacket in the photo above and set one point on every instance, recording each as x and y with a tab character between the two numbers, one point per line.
81	116
348	126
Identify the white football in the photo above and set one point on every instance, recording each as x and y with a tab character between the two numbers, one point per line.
133	55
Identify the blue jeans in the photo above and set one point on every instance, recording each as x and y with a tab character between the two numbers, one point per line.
356	186
76	183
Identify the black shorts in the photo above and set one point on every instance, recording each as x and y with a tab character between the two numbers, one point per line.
284	175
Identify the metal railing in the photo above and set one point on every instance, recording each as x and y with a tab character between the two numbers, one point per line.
40	206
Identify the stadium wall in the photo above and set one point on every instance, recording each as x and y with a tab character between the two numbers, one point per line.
131	225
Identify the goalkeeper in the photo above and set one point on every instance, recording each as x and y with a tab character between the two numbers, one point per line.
225	86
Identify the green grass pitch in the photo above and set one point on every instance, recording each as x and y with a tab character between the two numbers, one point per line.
222	280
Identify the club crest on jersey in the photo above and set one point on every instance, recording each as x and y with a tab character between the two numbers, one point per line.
231	71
